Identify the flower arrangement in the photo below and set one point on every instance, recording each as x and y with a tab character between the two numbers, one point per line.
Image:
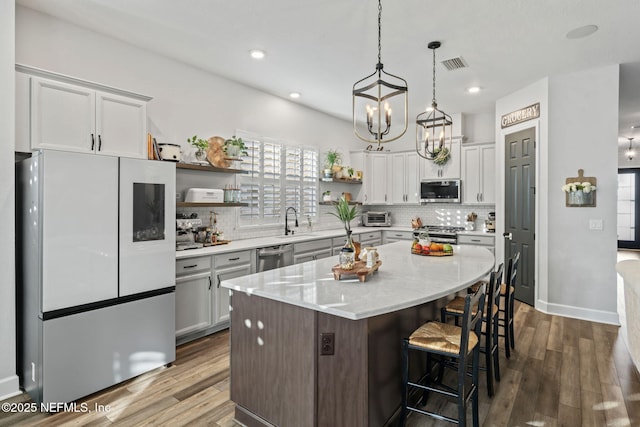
442	156
571	187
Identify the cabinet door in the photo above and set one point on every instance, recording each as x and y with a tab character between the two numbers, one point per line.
397	178
488	173
62	116
471	175
221	295
412	178
121	126
377	173
193	303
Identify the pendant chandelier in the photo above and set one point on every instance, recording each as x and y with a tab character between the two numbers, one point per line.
433	127
629	152
375	97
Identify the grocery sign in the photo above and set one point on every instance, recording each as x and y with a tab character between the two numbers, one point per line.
522	115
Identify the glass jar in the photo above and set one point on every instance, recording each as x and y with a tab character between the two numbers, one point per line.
348	254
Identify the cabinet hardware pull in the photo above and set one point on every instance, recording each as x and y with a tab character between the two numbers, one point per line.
99	142
209	282
481	197
190	266
476	240
234	259
218	285
93	142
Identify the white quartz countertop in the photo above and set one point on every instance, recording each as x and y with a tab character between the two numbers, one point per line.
403	280
478	233
261	242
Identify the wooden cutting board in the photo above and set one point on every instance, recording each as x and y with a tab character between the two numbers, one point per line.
215	153
360	270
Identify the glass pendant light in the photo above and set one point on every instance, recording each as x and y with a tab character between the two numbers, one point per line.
377	99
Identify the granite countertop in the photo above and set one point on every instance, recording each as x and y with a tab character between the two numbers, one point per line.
403	280
261	242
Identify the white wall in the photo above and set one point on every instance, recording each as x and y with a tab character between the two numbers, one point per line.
8	378
582	276
575	274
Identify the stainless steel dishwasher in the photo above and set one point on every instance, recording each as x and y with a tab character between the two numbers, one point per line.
274	257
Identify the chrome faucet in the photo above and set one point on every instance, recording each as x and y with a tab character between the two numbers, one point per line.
286	218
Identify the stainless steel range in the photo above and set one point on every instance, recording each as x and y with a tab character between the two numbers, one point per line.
440	233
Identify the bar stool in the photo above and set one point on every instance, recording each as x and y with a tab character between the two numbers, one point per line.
490	331
447	342
507	293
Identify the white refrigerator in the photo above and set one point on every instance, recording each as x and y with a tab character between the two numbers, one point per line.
95	271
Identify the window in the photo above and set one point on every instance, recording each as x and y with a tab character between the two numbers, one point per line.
278	175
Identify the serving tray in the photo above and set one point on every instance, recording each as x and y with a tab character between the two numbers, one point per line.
360	269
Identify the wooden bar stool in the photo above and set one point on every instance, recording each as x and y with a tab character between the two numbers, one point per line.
507	293
447	342
455	308
505	309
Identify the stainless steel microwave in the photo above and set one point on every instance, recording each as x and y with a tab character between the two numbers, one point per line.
440	191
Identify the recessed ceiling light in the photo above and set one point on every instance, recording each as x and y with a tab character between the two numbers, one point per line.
580	32
257	54
474	89
294	95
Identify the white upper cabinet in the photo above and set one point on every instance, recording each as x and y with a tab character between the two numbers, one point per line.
58	112
404	178
374	176
478	174
450	170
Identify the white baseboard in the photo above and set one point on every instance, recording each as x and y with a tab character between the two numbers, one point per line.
9	387
609	317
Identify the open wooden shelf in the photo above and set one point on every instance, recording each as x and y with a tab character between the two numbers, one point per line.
207	168
342	180
335	202
204	205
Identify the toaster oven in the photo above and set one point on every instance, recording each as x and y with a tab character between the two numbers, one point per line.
376	219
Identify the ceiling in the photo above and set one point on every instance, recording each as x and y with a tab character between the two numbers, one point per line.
320	48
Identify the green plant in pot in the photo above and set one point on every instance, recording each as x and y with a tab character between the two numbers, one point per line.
346	214
332	162
235	147
200	145
326	196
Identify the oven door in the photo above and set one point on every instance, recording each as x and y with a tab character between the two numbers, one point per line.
147	225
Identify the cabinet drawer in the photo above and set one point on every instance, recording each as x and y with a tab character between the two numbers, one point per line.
192	265
399	235
232	258
375	235
312	246
475	240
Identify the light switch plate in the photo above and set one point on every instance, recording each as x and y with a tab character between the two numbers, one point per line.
595	224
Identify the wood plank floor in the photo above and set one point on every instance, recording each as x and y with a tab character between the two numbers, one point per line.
564	372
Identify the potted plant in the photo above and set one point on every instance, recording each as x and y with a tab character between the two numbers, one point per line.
346	214
332	162
200	145
326	196
235	147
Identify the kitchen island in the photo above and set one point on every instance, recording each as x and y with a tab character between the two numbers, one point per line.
283	320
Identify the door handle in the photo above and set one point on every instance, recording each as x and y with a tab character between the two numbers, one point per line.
209	282
99	142
93	142
218	285
508	236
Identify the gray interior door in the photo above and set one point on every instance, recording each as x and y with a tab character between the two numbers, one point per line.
520	178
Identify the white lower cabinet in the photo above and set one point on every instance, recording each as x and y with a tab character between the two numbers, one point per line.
202	304
372	238
311	251
396	236
228	266
193	290
477	240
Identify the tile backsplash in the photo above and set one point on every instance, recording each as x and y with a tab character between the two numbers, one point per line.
431	214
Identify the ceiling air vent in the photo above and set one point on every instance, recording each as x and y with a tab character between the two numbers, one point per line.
454	63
